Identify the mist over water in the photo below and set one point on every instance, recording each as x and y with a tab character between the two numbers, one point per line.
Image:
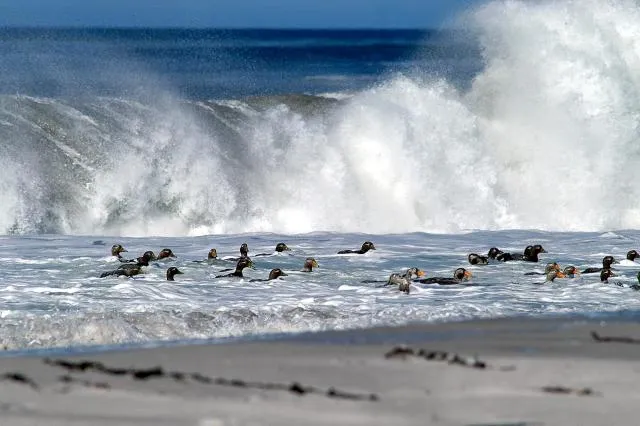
545	136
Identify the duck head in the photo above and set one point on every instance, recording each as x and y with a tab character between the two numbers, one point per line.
605	274
116	249
493	252
172	272
276	273
537	249
570	271
462	274
475	259
213	254
244	262
244	250
280	247
366	246
165	253
414	271
552	267
149	255
632	255
309	264
607	261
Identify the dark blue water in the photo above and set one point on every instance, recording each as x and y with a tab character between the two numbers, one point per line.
206	64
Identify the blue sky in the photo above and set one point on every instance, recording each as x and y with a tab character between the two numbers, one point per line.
232	13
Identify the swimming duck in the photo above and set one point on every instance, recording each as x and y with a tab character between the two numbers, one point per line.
173	271
459	275
366	246
494	252
476	259
244	262
605	274
530	254
274	274
550	267
129	269
165	254
116	249
553	274
309	264
212	257
404	281
570	271
280	247
607	261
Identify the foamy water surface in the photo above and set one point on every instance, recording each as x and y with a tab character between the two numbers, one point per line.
51	294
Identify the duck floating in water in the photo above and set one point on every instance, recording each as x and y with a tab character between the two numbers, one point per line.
172	272
459	275
553	266
280	247
605	274
116	250
130	269
274	274
553	274
366	246
404	281
165	253
530	254
309	264
607	261
476	259
243	263
570	271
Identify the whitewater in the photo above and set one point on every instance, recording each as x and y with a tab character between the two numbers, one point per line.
538	145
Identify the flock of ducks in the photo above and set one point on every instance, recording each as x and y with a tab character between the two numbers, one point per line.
132	267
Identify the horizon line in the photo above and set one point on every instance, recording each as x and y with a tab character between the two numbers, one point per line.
205	28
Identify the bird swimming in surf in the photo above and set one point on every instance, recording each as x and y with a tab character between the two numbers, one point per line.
116	250
165	253
550	267
213	254
309	264
494	252
366	246
280	247
172	272
476	259
530	254
570	271
459	275
404	281
129	269
274	274
553	274
243	263
605	274
607	261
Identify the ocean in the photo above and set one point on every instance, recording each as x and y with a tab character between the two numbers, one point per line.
518	126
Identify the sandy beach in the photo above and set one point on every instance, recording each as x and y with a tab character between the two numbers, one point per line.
498	372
